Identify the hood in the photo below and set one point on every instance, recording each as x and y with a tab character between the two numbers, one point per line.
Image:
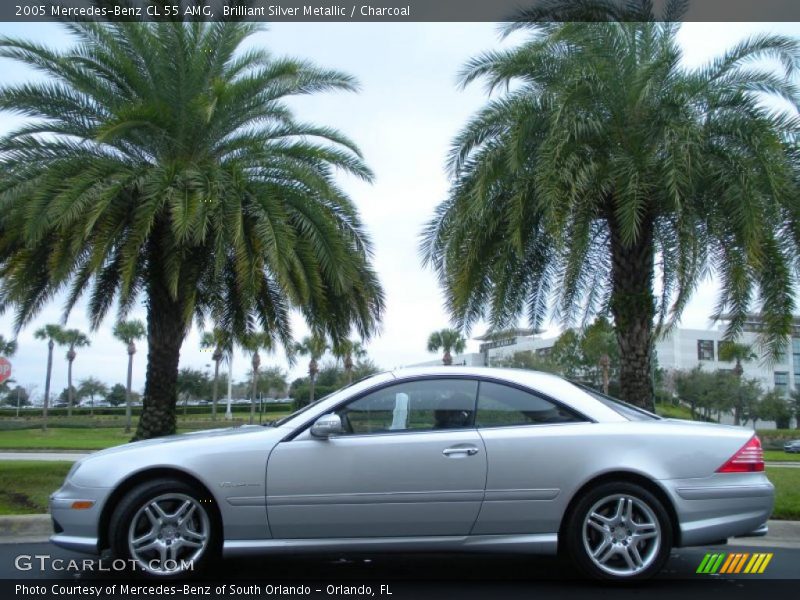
182	438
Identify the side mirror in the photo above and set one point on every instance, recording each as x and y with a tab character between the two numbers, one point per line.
326	426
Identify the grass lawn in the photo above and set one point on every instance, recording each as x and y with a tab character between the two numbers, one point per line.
780	456
674	412
787	492
93	438
26	484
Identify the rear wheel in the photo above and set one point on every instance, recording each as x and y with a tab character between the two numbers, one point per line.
619	531
165	528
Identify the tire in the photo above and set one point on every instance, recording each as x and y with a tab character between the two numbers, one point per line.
165	528
615	544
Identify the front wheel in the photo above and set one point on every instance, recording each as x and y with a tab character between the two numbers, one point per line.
619	531
165	528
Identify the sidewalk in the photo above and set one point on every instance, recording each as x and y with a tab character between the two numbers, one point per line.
66	455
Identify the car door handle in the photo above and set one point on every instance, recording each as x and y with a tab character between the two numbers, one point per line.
469	451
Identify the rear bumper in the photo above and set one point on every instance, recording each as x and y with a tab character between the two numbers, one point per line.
721	506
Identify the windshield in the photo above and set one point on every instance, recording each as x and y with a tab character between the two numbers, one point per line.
341	391
629	411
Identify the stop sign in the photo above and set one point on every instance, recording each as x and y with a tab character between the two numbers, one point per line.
5	369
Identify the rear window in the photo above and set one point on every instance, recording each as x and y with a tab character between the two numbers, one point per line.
629	411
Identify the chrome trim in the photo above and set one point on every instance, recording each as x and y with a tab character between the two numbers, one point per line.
538	543
719	492
532	494
377	498
760	532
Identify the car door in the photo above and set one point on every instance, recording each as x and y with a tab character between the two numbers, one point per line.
410	463
533	451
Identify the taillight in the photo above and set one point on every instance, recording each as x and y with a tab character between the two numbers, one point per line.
748	459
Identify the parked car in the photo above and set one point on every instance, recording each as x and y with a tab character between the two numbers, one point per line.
792	447
434	459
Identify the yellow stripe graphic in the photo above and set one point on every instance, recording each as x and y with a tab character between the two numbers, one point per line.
765	563
754	562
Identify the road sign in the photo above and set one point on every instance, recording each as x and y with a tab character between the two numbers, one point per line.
5	369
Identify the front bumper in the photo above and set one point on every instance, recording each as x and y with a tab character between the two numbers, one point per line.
77	529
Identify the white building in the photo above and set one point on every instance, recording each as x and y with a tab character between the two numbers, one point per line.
683	349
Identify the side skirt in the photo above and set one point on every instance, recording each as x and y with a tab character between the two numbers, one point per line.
539	543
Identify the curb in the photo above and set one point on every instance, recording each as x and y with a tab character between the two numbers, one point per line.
28	526
38	528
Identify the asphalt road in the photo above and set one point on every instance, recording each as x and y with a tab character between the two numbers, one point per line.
442	568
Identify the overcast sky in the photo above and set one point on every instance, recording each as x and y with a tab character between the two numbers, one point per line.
403	118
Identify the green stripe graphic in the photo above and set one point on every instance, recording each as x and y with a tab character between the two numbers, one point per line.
711	563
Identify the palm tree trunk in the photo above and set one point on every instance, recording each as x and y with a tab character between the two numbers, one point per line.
165	333
214	392
69	388
91	405
447	359
50	345
633	308
128	394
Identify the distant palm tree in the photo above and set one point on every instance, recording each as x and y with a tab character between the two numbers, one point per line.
91	387
604	159
449	340
220	341
741	353
162	163
52	333
314	346
253	342
347	350
7	348
71	338
128	332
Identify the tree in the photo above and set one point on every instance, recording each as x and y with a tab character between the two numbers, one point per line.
191	384
171	170
18	396
794	402
218	340
71	338
51	333
730	351
129	332
347	350
7	347
67	396
605	152
314	346
271	382
447	340
91	387
253	342
118	395
775	407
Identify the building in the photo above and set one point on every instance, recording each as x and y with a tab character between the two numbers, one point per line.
683	349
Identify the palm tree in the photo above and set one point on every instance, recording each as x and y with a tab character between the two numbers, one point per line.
71	338
449	340
91	387
604	155
129	332
314	346
741	353
219	340
7	347
347	350
52	333
171	170
253	342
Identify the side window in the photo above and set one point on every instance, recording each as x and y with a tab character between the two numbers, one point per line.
500	405
413	406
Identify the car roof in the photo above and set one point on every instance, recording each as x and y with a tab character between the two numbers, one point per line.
548	384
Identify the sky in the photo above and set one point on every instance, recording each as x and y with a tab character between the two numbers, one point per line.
403	118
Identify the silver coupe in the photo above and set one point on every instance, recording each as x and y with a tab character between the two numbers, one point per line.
429	459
